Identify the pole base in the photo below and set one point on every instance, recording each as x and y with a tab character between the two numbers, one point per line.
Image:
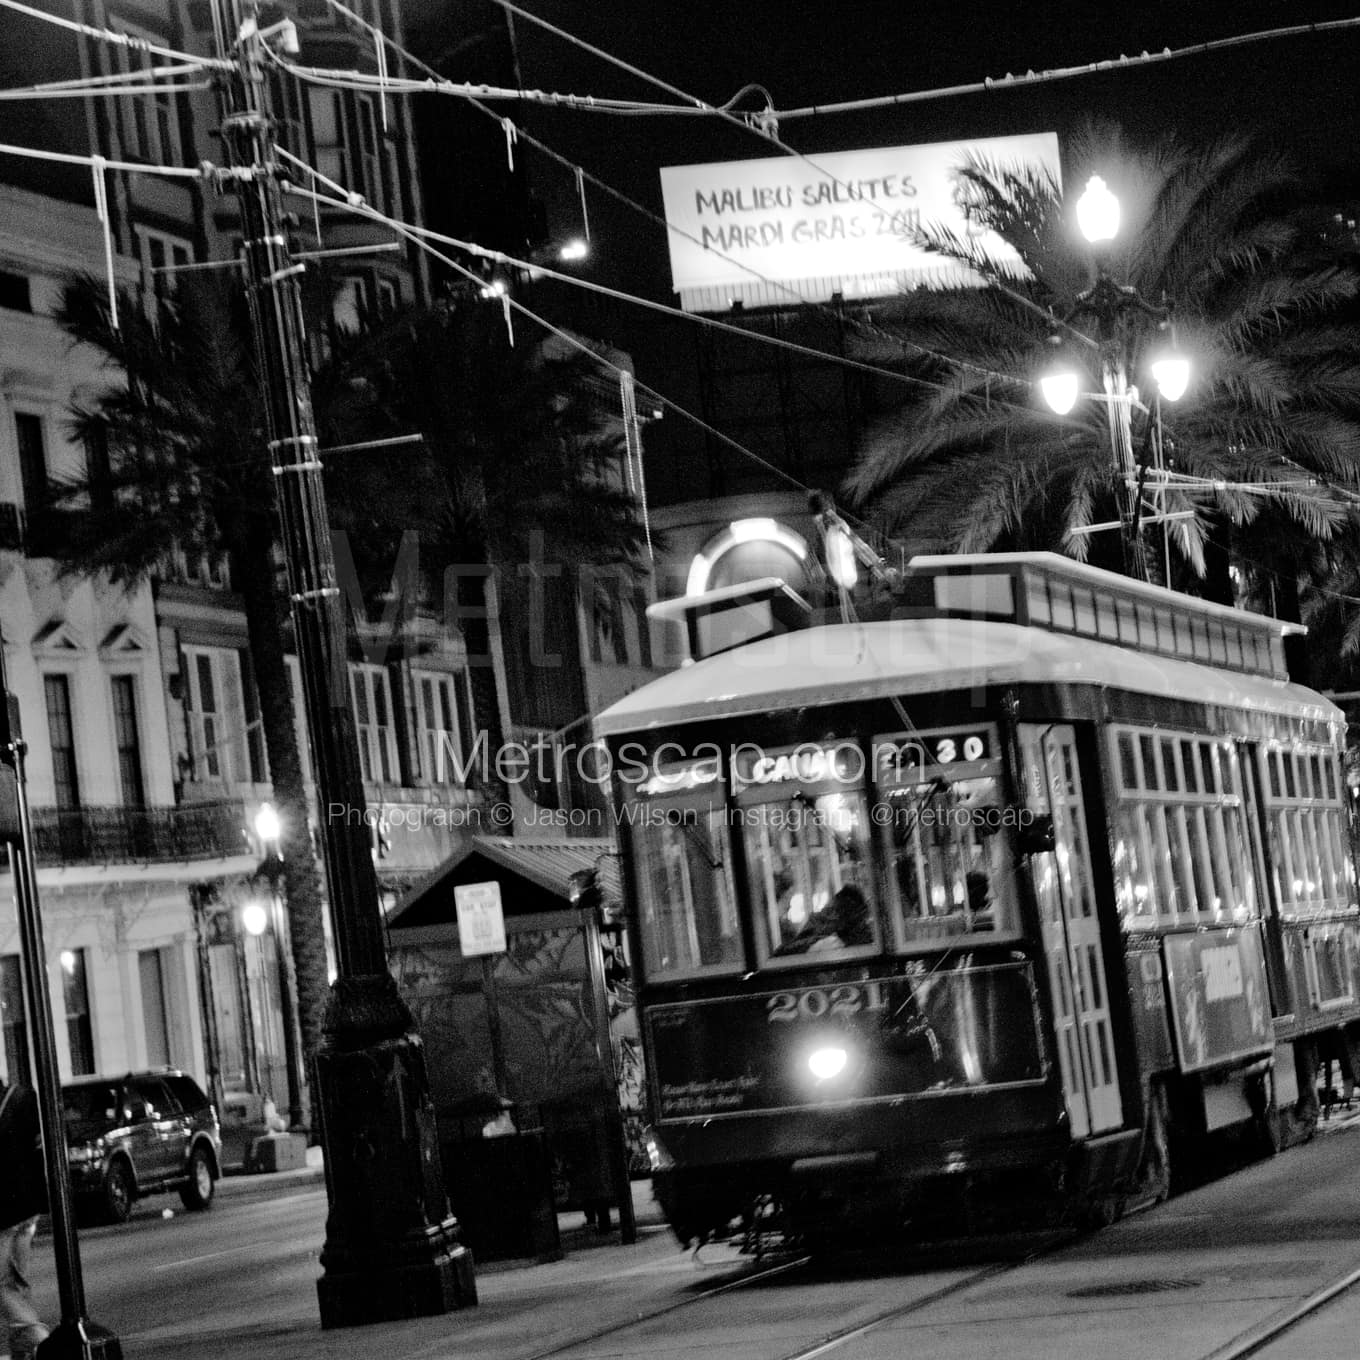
388	1294
84	1340
393	1248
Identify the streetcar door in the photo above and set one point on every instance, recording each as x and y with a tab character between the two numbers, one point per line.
1065	887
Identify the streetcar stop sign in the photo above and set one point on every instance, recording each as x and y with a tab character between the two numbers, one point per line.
481	921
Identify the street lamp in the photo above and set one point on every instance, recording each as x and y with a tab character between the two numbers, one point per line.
256	919
1098	216
393	1248
1098	212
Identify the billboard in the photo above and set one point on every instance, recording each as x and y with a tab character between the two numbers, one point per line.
789	229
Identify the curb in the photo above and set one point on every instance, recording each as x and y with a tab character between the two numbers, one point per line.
268	1185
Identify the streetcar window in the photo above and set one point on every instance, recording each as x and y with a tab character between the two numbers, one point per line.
1306	822
1182	845
1084	611
687	908
1128	625
1061	597
1128	761
811	886
1218	646
948	861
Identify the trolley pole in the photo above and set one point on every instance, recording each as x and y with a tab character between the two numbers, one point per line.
76	1337
392	1247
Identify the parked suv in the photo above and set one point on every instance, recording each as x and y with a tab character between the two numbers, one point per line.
137	1135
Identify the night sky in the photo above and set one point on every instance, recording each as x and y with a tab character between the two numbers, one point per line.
1299	92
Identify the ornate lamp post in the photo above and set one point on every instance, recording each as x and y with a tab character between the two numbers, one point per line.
392	1247
1112	304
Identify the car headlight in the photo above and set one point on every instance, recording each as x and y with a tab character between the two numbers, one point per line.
82	1156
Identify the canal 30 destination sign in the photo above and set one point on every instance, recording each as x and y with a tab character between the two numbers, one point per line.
788	229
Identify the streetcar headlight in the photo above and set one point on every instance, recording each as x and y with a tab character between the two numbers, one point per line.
825	1063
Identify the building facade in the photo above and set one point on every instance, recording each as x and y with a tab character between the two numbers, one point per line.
146	759
118	850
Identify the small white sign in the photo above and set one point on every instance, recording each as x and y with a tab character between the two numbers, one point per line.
481	921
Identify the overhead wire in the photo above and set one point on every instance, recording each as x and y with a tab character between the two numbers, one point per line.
205	170
649	304
766	134
385	84
859	324
424	237
377	83
424	241
992	85
37	92
115	38
119	82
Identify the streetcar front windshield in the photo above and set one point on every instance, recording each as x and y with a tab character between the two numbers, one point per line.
949	861
808	862
688	911
949	835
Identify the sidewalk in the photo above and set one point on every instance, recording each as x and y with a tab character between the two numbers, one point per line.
523	1309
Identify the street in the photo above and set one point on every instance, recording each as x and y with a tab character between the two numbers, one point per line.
1179	1282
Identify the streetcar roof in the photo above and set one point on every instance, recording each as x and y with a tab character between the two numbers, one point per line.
846	662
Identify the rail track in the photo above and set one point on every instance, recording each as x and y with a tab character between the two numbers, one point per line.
1251	1341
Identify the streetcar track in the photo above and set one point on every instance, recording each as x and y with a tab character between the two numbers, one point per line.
1250	1342
1283	1321
834	1339
614	1327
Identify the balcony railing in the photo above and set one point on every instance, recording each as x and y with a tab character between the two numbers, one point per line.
123	835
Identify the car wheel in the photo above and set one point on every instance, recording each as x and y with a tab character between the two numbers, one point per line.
119	1193
198	1190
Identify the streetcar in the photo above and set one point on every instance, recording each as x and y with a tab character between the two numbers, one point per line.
994	907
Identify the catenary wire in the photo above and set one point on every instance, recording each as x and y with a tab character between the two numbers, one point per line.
357	204
992	85
114	38
860	324
204	171
693	318
422	240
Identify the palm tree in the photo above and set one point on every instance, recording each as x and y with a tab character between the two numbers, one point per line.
516	465
1270	422
187	469
516	469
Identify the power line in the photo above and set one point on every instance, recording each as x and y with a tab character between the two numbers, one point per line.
693	318
116	39
205	170
121	82
423	239
991	85
861	324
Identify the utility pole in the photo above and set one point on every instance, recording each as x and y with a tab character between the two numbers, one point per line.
392	1247
76	1337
